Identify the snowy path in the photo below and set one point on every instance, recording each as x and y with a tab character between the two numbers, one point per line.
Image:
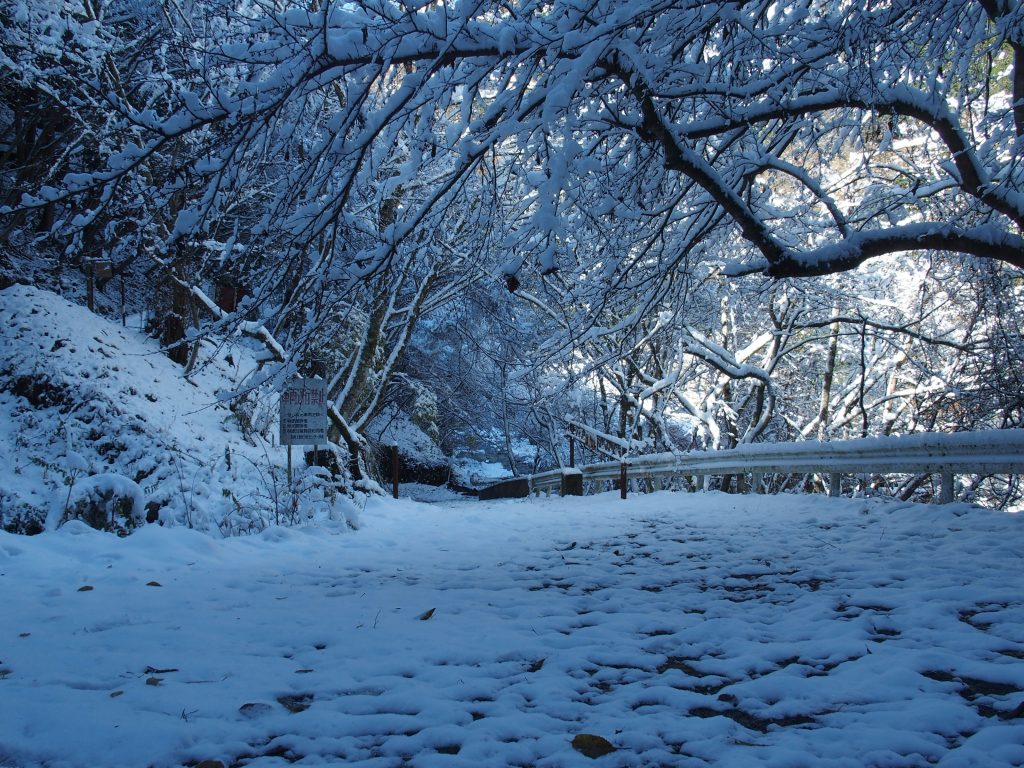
688	630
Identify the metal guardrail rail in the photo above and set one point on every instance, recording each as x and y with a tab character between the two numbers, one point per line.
988	452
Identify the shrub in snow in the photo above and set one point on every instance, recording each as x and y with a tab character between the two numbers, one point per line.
106	502
41	391
17	517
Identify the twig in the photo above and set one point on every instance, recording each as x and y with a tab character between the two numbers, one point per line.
826	543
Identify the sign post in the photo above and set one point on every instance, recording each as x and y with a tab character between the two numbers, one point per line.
303	415
96	269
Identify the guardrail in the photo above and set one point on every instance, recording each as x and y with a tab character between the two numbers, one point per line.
989	452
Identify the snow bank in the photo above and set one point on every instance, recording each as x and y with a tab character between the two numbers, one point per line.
90	410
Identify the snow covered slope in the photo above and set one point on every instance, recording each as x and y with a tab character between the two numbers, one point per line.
686	630
87	406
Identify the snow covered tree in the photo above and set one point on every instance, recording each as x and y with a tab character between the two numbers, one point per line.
825	132
353	165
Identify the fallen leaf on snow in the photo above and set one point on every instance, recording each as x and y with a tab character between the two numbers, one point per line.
592	746
255	709
296	702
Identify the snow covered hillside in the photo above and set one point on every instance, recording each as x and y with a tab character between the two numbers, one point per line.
94	417
668	630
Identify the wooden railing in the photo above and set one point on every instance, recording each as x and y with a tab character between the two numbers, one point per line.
990	452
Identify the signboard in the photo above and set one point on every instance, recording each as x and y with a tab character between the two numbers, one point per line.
304	412
102	269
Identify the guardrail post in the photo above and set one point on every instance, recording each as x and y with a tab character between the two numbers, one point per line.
834	485
623	480
698	482
572	483
756	479
946	489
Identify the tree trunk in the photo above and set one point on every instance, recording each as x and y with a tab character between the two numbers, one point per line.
174	324
826	380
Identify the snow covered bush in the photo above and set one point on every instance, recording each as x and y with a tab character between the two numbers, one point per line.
107	502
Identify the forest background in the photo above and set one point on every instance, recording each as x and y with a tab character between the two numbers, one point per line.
679	225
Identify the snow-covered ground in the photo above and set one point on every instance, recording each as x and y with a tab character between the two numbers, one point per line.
686	630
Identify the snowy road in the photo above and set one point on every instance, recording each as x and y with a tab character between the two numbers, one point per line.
687	630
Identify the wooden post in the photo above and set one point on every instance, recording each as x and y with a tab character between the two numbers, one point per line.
394	471
756	479
90	287
572	484
572	451
946	490
623	480
289	465
834	484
